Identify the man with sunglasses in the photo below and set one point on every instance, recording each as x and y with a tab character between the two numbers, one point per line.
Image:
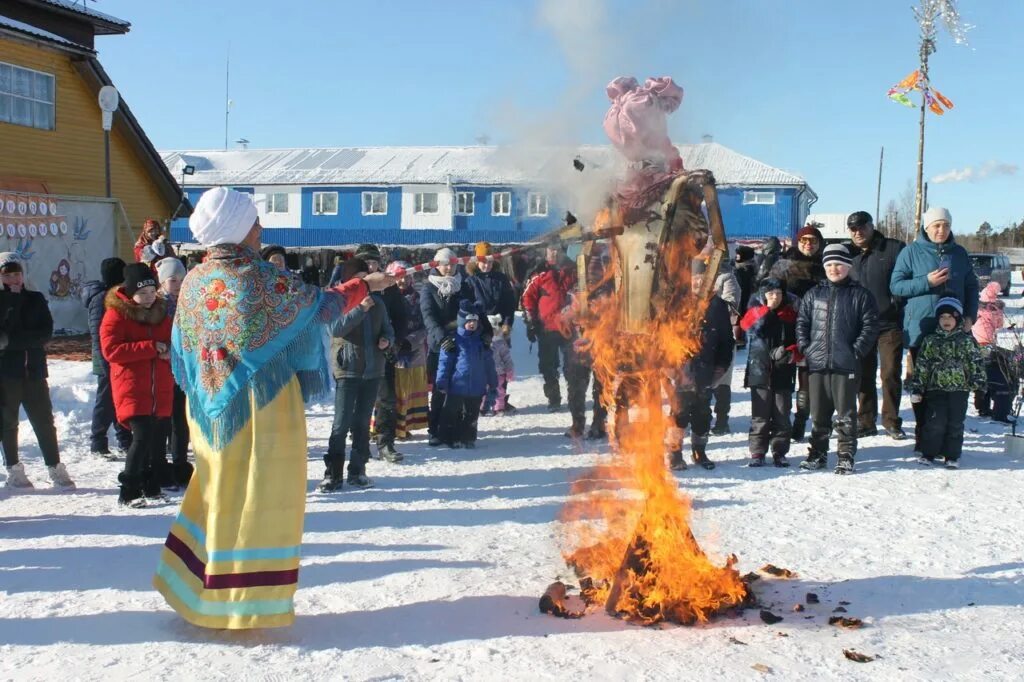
873	263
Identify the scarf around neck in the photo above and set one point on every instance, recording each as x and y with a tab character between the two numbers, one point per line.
242	330
446	285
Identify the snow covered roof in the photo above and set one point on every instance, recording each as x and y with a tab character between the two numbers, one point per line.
21	27
439	165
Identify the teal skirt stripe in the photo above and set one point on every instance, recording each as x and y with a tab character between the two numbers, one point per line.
236	554
266	607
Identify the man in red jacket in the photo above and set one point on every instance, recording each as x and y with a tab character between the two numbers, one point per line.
547	294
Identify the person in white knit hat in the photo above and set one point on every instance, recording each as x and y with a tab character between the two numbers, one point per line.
170	272
247	350
25	327
929	268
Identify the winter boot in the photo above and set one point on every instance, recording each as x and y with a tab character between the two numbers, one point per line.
922	460
845	466
952	463
675	461
756	461
469	444
332	479
721	427
359	481
131	496
701	458
388	453
799	427
434	441
596	432
575	431
780	461
59	476
813	462
16	477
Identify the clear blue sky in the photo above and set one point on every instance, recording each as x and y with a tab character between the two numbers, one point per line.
798	84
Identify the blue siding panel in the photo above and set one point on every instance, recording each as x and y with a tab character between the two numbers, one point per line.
758	221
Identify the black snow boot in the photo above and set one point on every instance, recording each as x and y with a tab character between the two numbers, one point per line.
676	461
701	458
332	479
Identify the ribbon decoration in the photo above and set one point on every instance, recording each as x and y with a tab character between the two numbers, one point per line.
934	100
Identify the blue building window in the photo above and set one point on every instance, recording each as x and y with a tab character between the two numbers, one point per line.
464	203
325	203
759	198
375	203
537	205
501	203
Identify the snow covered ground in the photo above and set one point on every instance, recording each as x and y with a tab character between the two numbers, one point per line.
436	573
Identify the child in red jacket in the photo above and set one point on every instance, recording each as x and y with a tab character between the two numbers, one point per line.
770	325
135	338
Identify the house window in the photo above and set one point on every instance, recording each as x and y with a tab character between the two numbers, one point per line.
375	203
501	203
425	202
277	202
464	203
763	198
325	203
26	97
537	204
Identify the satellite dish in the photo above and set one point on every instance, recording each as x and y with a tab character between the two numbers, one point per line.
108	100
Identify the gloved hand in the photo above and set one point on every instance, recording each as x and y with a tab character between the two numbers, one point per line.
448	344
781	355
916	398
531	332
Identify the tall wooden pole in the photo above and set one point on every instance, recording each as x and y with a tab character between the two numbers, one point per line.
926	49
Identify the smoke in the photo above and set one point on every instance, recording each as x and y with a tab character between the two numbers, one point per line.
989	169
543	139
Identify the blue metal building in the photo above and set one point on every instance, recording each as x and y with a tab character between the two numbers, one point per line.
459	195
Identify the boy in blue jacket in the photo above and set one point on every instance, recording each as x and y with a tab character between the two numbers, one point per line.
463	375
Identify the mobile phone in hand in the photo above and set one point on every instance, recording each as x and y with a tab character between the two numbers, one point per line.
945	261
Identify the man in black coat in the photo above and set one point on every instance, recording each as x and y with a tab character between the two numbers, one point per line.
837	325
693	389
771	251
873	262
25	327
745	270
103	417
386	410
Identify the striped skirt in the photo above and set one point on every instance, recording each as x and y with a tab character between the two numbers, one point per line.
411	400
231	559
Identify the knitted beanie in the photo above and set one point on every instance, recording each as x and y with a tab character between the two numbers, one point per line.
836	253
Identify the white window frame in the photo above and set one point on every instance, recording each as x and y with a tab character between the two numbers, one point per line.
371	196
318	208
758	198
495	198
463	199
8	97
274	205
419	203
538	197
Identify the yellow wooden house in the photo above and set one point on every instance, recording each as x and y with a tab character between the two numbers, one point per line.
51	135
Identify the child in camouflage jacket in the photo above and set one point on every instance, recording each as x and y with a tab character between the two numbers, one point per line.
948	366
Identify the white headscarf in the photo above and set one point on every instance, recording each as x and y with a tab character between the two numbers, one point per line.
222	216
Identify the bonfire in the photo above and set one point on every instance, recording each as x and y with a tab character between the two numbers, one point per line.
627	524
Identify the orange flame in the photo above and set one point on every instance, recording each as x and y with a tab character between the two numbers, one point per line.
626	525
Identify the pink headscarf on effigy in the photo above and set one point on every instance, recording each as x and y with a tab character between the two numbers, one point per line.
637	124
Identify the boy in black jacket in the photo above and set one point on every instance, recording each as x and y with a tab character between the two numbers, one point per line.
693	388
771	341
836	327
25	327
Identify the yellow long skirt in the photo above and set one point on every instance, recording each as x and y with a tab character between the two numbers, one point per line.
410	401
231	559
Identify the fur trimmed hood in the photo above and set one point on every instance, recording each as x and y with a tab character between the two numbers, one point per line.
118	301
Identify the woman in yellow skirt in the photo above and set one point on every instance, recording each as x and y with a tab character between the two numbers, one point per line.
411	361
248	352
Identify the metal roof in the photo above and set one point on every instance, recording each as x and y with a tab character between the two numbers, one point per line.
69	6
441	165
27	29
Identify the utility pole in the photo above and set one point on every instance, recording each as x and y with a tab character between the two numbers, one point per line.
227	95
878	194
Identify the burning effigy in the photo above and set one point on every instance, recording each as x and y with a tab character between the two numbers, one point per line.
626	525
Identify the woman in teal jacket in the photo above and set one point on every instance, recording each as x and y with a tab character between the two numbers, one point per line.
931	267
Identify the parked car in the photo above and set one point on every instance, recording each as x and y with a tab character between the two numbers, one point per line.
992	267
